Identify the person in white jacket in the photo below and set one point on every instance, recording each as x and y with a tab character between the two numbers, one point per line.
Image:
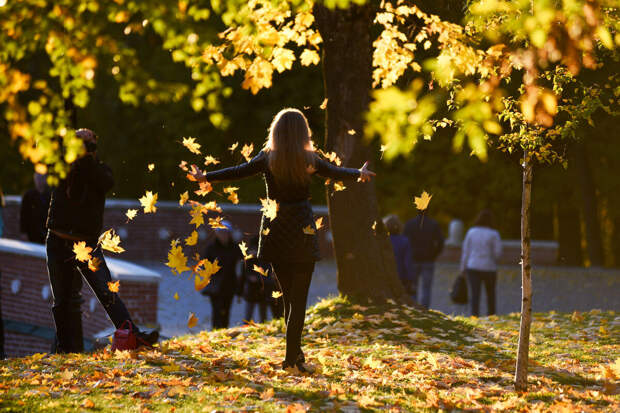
481	251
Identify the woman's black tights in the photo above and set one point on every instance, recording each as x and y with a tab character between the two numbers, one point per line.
294	280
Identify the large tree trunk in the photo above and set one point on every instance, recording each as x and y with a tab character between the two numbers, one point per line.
366	266
526	278
589	206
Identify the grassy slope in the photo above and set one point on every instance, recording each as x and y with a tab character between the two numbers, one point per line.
388	358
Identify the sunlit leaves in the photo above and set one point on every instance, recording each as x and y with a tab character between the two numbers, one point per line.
114	286
246	151
232	194
203	273
192	320
81	251
309	57
217	223
183	198
177	261
192	145
93	264
276	294
210	160
131	214
109	241
197	215
308	230
269	208
244	251
421	202
192	239
260	270
148	202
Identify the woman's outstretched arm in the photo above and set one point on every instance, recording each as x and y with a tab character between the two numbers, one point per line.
328	170
255	166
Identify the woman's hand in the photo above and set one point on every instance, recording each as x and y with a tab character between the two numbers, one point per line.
196	174
365	173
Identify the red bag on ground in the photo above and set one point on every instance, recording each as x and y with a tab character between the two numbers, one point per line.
124	338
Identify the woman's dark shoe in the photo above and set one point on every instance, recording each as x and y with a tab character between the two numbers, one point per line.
147	339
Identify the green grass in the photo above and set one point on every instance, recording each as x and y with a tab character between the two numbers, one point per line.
367	358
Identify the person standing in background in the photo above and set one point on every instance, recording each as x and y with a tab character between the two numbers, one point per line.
223	285
482	248
427	242
402	253
33	212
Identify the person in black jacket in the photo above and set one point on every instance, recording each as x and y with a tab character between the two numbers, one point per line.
426	242
33	211
223	285
287	163
75	215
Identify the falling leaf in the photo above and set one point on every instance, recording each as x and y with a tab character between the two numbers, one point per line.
269	208
210	160
422	201
205	188
183	199
192	239
176	296
196	214
232	194
93	264
351	132
183	166
383	149
276	294
177	260
319	223
246	151
232	147
81	251
260	270
309	230
339	186
332	157
192	145
192	320
244	251
323	104
216	223
148	201
265	231
151	166
131	214
113	286
109	241
203	276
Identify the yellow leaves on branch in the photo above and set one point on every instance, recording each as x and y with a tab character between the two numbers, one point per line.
109	241
309	57
177	261
148	202
269	208
422	201
114	286
192	145
192	320
81	251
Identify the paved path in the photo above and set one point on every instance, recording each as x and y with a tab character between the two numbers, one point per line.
554	288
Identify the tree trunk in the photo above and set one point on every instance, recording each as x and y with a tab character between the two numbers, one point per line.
589	206
366	266
526	278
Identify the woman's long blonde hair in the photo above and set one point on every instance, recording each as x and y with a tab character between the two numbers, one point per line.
290	150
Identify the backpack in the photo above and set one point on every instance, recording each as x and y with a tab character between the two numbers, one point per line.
458	294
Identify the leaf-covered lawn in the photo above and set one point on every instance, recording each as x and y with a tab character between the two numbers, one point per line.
367	358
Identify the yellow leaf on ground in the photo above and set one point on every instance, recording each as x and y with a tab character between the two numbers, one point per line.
88	404
192	145
192	320
148	201
192	239
81	251
267	394
422	201
269	208
114	286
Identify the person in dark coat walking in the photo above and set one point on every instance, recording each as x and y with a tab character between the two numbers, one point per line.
427	241
76	215
33	211
402	253
287	162
223	285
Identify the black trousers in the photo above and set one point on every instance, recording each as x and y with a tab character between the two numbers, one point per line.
65	274
220	305
294	281
476	278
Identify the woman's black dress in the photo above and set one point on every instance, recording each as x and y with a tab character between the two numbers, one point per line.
283	239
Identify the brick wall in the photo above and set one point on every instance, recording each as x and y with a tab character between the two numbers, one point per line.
29	306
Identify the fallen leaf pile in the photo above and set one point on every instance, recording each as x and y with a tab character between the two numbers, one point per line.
379	358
